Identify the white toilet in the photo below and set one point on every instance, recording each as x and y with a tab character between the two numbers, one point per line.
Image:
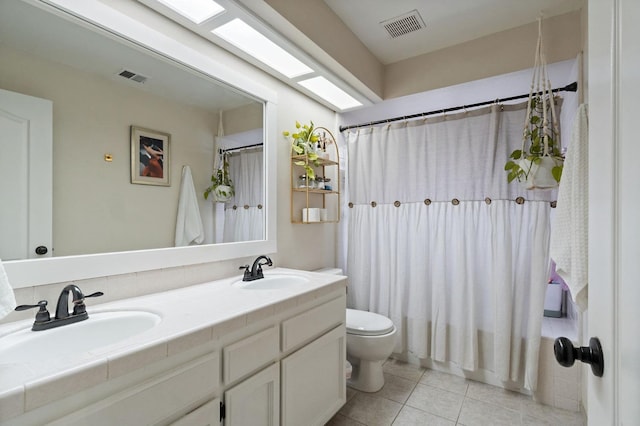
370	340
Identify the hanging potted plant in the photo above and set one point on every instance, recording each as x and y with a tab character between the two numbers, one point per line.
221	185
538	163
304	145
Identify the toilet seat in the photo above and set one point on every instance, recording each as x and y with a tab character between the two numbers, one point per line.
365	323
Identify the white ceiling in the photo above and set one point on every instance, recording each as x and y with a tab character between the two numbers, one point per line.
447	22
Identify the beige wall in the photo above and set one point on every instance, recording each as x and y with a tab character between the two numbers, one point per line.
499	53
242	119
96	208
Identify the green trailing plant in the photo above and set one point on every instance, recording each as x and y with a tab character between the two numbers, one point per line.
540	140
221	184
303	143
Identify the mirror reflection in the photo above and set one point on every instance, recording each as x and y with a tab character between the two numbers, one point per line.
97	90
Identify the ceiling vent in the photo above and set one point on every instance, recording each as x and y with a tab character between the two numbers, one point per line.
133	76
403	24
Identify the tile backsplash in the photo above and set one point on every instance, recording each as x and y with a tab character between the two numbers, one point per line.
116	287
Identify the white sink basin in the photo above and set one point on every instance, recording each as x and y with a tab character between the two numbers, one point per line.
272	282
100	330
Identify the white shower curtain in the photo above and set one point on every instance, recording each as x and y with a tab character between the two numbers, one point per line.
436	241
244	213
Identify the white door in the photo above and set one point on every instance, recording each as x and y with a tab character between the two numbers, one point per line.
614	208
25	176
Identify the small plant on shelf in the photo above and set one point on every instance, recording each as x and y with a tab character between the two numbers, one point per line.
304	142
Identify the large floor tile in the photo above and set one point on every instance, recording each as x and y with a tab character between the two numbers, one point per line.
351	393
403	369
555	416
479	413
445	381
340	420
413	395
396	388
410	416
371	410
436	401
496	395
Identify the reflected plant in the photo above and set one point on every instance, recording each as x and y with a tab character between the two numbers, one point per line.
221	184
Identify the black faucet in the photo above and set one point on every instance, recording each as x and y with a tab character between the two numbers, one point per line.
79	308
43	319
255	273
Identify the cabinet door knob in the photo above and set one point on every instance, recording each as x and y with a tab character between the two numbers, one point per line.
566	354
41	250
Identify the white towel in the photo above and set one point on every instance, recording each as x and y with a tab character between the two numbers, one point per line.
7	298
189	228
569	237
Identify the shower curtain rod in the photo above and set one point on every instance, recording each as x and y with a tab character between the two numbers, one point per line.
568	88
255	145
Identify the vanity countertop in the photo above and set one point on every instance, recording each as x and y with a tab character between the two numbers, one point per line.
191	316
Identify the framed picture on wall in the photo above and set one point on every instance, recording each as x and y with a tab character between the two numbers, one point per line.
150	157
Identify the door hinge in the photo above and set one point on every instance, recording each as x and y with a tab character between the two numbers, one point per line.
223	411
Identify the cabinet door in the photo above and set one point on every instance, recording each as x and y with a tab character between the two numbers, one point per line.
255	401
313	380
205	415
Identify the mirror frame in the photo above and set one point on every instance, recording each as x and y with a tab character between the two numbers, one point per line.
99	17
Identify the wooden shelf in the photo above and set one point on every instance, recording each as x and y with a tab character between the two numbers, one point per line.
314	223
314	191
304	197
320	161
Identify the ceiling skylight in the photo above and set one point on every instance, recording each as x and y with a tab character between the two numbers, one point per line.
330	92
196	11
244	37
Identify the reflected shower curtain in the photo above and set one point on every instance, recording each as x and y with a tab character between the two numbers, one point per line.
436	241
244	215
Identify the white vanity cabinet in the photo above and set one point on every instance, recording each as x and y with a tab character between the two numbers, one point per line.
282	363
307	385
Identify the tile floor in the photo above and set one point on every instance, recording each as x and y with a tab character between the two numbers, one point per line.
417	396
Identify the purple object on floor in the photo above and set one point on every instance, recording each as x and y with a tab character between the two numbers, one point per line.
555	278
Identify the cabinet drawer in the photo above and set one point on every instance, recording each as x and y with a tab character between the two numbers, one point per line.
154	400
250	354
308	325
205	415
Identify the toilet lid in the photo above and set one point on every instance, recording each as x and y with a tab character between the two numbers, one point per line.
367	323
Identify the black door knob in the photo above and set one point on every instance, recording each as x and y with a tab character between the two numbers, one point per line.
41	250
566	354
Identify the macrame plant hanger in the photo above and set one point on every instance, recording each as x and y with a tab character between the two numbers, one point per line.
541	158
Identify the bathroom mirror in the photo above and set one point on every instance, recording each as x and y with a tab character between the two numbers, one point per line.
106	72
